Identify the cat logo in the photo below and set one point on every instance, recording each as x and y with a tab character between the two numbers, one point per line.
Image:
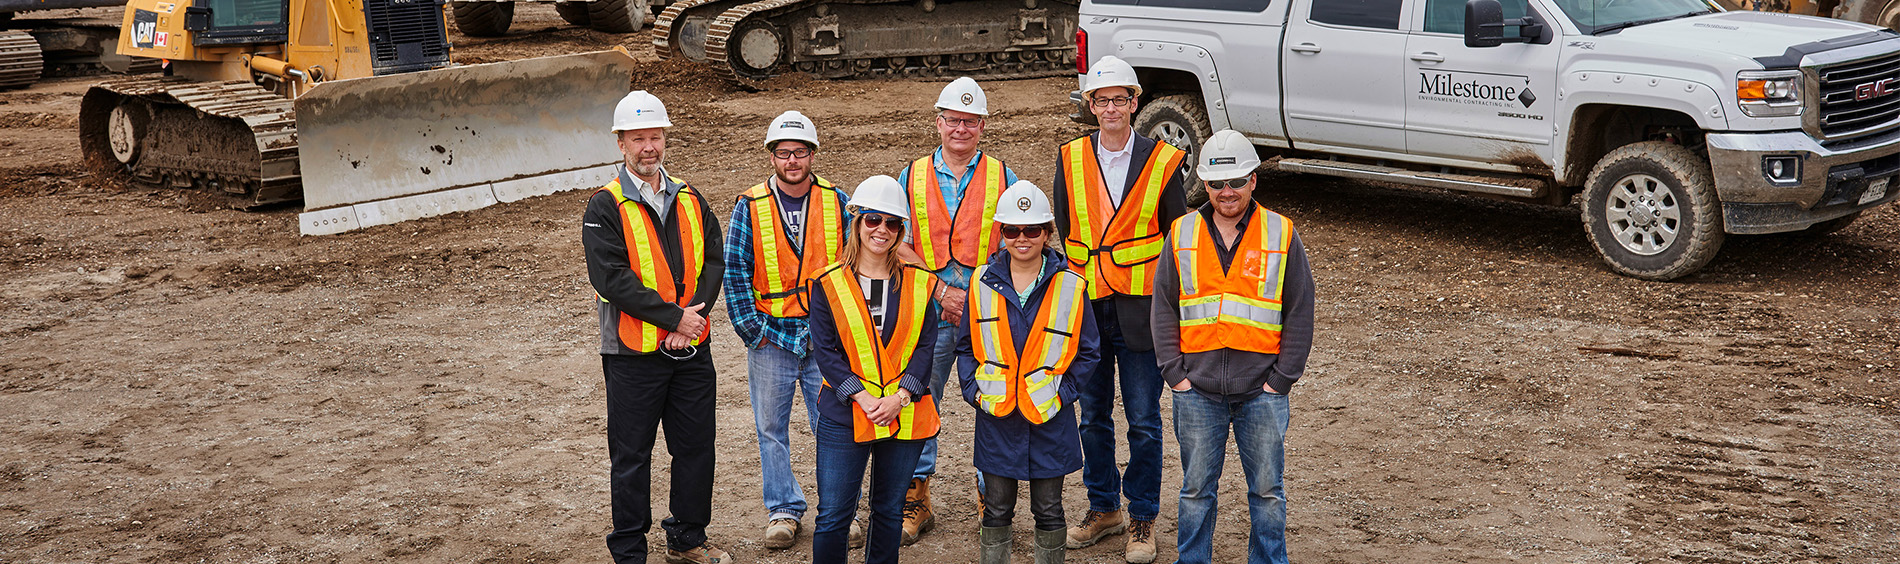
144	29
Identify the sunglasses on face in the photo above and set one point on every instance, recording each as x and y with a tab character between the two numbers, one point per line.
873	220
1230	184
1014	231
798	153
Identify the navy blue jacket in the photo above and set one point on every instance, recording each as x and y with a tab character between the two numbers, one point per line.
827	351
1011	446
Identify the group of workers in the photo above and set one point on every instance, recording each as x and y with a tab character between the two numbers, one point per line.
863	305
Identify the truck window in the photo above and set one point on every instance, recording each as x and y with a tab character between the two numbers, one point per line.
1224	5
1376	14
1448	16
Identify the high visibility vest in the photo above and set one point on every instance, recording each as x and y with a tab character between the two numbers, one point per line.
880	365
1130	235
1007	381
647	260
970	236
1237	308
779	271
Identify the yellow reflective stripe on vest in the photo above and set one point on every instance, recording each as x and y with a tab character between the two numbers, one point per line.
1006	384
1230	307
995	360
1078	250
993	189
920	186
764	208
1186	261
1060	323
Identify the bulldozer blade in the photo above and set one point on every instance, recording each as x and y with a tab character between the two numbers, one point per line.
392	148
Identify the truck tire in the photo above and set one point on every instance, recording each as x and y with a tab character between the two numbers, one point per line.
1180	120
617	16
574	13
1651	211
483	19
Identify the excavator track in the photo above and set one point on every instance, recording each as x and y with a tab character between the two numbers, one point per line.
673	37
20	61
234	137
1050	53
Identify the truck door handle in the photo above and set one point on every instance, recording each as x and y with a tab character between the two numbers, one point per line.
1307	48
1428	57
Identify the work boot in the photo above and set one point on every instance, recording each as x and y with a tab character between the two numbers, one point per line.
705	553
781	533
918	519
1050	546
1141	541
857	534
1094	526
995	544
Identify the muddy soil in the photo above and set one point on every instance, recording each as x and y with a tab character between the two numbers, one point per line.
185	382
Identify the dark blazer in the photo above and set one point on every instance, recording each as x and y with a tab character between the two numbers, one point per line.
1131	312
827	351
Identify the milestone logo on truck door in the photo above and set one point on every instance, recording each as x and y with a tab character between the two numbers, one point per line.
1508	93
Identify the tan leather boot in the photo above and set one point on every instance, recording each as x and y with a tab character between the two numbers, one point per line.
918	518
1096	525
1141	542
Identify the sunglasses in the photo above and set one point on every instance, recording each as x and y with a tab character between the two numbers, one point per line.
1229	184
873	220
1014	231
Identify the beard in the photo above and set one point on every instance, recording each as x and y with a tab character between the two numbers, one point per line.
648	169
802	175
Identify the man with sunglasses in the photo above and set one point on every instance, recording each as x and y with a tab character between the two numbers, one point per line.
953	194
783	232
1233	324
1116	191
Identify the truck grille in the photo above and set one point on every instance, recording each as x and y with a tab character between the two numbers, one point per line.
406	35
1841	115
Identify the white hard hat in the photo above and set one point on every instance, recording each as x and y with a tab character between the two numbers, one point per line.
964	95
792	126
1226	155
640	110
1023	204
1110	71
881	194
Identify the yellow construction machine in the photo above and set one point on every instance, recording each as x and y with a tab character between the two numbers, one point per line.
349	105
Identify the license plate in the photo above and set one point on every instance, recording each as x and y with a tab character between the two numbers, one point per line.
1875	190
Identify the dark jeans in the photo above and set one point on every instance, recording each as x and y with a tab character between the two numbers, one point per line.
644	392
841	463
1201	425
1045	501
1141	408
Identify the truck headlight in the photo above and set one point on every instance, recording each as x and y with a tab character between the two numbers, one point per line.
1769	93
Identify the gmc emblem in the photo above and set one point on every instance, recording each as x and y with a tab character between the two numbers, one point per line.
1875	89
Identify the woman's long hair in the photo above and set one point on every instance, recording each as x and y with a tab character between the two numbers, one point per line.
853	244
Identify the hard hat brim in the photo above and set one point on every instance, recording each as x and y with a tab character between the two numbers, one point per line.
1227	174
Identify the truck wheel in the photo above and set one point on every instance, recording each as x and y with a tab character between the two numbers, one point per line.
1180	120
483	19
1651	211
617	16
574	13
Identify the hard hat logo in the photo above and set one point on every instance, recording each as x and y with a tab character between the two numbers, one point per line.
1022	203
791	125
1222	160
968	99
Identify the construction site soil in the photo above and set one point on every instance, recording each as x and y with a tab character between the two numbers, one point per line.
185	382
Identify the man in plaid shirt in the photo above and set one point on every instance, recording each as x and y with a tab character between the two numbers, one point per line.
783	231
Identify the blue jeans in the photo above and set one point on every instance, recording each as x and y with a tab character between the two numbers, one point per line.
1141	387
772	375
942	363
841	463
1259	425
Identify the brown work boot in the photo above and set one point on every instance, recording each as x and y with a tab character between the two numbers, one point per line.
780	533
918	519
1096	525
705	553
1141	542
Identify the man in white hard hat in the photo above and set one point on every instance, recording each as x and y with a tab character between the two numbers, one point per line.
1116	192
1233	324
783	231
953	193
654	258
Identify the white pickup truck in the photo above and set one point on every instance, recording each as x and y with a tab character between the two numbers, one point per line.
1676	121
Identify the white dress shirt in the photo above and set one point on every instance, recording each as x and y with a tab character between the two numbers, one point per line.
1115	168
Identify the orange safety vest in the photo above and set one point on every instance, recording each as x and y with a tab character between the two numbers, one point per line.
940	237
646	258
1132	240
1005	382
879	364
1238	308
779	272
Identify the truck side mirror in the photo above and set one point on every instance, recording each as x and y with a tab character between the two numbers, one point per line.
1485	23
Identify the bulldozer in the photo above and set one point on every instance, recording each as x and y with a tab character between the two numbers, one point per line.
491	18
750	41
351	106
67	45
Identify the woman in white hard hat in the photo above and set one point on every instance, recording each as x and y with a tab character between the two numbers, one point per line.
1028	338
871	318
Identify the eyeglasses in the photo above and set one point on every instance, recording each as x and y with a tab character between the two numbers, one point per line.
1014	231
959	122
1118	101
798	153
1229	184
873	220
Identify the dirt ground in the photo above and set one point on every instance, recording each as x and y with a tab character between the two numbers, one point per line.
189	383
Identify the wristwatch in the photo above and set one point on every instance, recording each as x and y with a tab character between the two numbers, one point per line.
904	399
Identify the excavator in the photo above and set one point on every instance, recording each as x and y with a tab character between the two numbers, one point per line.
351	106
